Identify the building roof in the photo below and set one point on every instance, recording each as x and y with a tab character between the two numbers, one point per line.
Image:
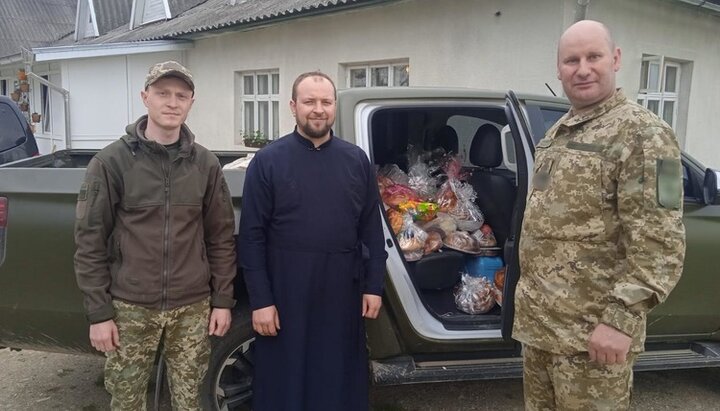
213	15
34	23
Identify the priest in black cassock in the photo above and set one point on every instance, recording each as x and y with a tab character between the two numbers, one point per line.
313	254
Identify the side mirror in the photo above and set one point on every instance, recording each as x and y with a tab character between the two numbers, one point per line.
710	187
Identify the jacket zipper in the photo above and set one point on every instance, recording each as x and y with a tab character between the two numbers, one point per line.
166	237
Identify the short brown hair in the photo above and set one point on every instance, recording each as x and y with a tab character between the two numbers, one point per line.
315	73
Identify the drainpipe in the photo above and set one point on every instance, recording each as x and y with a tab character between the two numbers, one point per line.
581	10
66	105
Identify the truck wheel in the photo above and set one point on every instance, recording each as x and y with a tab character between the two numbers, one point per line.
228	384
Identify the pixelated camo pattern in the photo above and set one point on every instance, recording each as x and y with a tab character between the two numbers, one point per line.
186	350
602	237
554	382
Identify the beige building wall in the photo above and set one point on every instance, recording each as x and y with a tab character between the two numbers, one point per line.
495	44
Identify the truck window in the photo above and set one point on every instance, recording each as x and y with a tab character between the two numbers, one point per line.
541	118
11	129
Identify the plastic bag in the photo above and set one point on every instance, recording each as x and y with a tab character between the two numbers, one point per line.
485	236
411	239
397	194
419	211
443	222
394	173
421	179
433	242
466	213
395	218
474	295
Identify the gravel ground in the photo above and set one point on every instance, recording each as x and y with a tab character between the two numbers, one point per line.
32	380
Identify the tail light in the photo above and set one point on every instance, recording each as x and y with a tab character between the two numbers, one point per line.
3	212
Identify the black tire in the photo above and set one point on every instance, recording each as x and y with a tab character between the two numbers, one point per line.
228	384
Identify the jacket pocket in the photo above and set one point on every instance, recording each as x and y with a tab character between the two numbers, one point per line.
567	199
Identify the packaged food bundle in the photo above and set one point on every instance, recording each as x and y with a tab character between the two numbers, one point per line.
485	236
422	211
446	198
500	278
421	179
395	218
443	222
466	213
433	242
461	241
394	173
397	194
452	167
474	295
411	239
383	183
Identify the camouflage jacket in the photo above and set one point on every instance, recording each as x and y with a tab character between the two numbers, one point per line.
602	237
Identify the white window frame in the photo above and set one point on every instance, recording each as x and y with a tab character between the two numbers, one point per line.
368	72
272	96
138	9
85	12
657	93
45	107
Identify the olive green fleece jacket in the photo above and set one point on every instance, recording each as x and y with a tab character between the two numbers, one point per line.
152	231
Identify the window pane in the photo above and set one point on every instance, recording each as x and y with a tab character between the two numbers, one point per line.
670	78
263	116
654	105
668	112
248	85
276	119
644	75
358	77
653	77
249	117
379	76
401	75
262	84
276	84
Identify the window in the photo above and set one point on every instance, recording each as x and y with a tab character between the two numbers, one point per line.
395	74
147	11
45	107
85	25
3	88
259	108
659	87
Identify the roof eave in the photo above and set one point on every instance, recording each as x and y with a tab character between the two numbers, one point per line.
108	49
712	7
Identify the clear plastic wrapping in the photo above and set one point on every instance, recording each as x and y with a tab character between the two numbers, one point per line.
421	179
475	295
394	173
411	239
485	236
397	194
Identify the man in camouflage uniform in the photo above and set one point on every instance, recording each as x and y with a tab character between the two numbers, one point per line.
155	253
602	238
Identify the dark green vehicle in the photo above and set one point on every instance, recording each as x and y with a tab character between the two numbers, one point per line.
420	336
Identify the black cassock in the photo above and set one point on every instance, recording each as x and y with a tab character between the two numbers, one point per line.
311	243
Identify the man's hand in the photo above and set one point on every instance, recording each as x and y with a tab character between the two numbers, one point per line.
371	305
104	336
608	345
220	319
265	321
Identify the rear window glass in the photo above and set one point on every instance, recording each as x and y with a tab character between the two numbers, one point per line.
541	119
11	129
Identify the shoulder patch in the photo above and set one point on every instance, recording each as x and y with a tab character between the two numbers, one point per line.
669	183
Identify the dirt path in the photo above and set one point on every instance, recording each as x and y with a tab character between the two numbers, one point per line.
45	381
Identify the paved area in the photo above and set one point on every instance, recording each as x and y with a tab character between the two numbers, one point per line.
31	380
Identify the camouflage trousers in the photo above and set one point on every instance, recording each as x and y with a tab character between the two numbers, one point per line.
185	346
573	382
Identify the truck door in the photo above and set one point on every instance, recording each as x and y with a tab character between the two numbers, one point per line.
524	153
